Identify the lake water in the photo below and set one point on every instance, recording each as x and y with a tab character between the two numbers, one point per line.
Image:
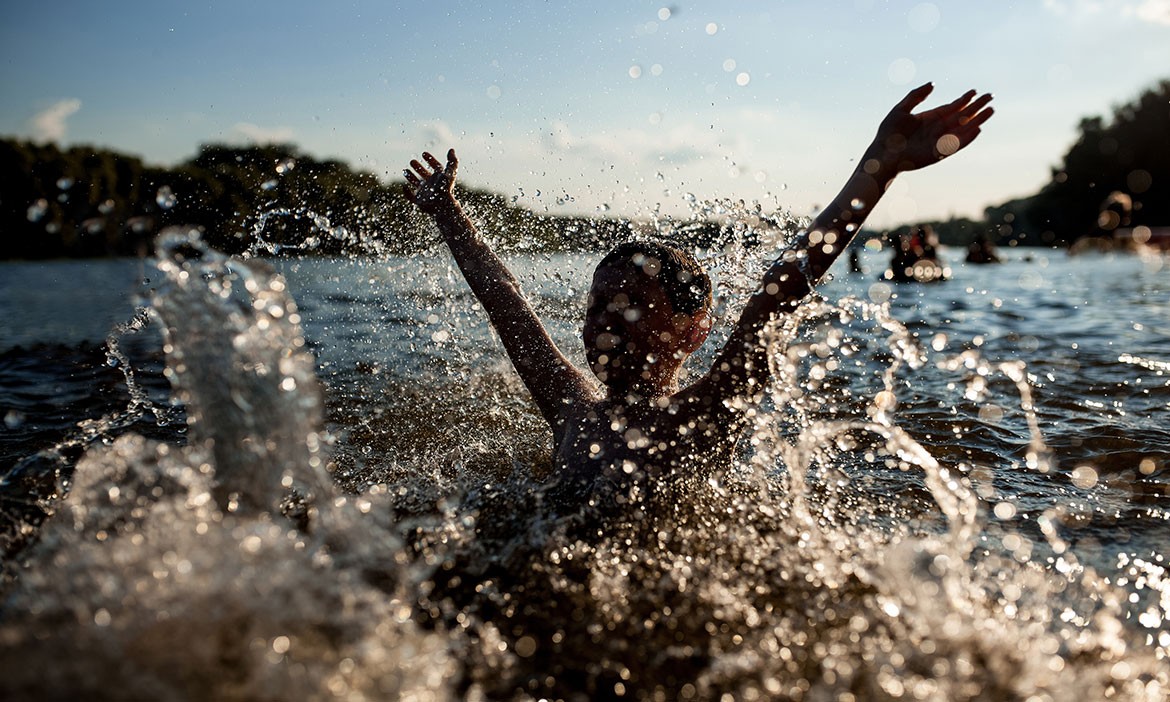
956	491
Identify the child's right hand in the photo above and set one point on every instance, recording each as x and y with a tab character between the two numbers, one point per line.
431	189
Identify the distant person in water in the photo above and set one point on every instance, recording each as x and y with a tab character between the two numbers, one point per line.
855	261
649	308
916	257
981	250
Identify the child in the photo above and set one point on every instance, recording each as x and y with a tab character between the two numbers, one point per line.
649	309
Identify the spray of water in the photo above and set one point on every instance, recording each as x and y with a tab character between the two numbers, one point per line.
841	559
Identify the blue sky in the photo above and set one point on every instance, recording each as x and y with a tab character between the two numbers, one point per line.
618	106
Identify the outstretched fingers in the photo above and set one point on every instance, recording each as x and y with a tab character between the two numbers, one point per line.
420	169
415	175
915	97
969	127
967	122
974	112
434	167
427	179
950	109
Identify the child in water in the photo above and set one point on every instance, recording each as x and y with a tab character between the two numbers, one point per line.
649	309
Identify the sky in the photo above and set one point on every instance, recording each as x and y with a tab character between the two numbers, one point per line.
609	106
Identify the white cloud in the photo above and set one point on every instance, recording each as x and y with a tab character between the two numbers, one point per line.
631	169
49	124
263	135
1149	11
437	135
1154	12
559	137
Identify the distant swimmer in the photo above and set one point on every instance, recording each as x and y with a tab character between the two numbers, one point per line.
855	262
916	257
981	251
649	309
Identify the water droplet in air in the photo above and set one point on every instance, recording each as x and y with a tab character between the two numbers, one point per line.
37	210
165	197
947	144
901	71
885	401
13	419
1084	476
924	17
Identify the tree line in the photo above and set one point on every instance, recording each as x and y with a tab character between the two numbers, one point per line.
1127	156
271	199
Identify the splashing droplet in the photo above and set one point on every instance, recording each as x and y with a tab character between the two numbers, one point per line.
947	144
166	198
1084	476
37	210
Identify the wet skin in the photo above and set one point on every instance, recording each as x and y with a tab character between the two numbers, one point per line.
634	341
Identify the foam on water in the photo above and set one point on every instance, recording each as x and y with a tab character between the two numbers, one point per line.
841	559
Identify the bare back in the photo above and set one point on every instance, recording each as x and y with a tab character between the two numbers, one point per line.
613	450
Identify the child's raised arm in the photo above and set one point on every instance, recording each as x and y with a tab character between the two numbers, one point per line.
904	142
548	375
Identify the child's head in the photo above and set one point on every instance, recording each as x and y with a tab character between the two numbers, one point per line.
649	308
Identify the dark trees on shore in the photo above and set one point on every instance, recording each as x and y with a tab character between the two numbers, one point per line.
1129	154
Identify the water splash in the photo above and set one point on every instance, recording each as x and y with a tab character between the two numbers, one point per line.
843	557
172	571
237	360
263	245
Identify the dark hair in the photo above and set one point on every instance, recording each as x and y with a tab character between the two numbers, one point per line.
687	285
